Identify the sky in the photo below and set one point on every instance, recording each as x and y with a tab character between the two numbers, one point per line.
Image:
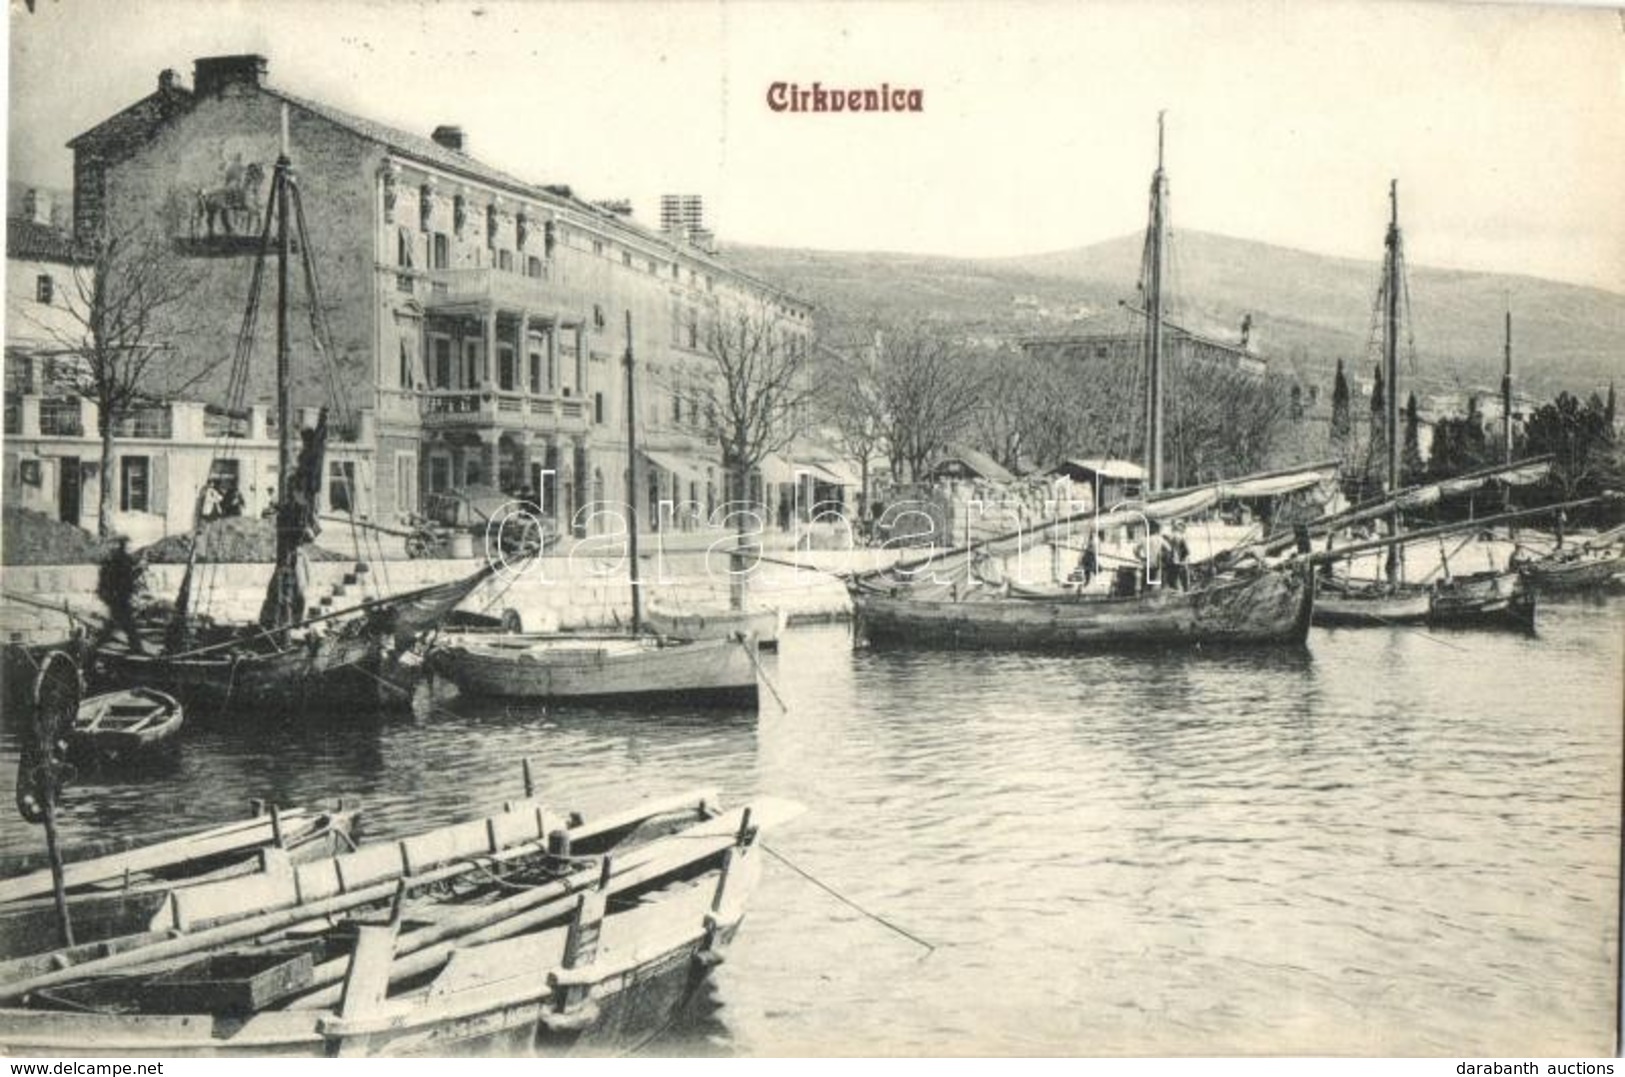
1504	123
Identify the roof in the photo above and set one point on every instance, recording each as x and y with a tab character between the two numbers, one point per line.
429	151
37	241
1104	466
975	460
137	122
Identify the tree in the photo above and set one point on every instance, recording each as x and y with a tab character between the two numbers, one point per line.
1411	466
850	407
129	291
929	389
760	394
1580	437
1342	423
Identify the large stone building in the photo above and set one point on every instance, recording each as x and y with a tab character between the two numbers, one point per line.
478	320
1123	351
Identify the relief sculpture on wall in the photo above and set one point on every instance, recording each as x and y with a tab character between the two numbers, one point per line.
225	210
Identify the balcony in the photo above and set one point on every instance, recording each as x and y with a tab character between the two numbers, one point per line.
485	289
468	409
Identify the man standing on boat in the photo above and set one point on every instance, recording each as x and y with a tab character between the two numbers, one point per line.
118	584
1152	550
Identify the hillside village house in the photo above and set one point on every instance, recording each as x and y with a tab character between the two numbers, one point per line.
478	320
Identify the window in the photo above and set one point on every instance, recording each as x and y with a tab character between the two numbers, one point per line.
403	248
406	482
626	258
341	485
44	288
442	362
135	484
598	246
536	385
439	473
409	363
471	364
677	408
226	475
505	260
533	267
597	316
442	251
507	369
598	408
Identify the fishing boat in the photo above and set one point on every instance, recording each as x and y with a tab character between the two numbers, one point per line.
699	623
511	933
290	660
1492	598
1244	602
633	666
1593	564
124	725
115	888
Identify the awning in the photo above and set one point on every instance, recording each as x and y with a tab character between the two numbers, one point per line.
835	473
686	467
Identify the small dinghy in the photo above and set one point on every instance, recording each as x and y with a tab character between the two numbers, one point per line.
124	724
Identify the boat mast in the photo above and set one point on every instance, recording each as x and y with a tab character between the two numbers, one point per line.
631	477
1153	448
1390	364
284	353
1506	394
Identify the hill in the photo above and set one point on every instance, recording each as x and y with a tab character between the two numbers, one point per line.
1308	310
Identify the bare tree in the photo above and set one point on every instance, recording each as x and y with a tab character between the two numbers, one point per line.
760	395
930	387
128	294
850	406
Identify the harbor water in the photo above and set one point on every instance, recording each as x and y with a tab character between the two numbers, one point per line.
1390	842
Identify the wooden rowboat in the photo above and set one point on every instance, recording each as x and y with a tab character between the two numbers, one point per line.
499	934
114	888
125	724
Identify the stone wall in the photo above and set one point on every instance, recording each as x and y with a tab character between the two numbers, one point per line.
580	591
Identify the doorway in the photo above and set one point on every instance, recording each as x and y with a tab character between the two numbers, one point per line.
69	490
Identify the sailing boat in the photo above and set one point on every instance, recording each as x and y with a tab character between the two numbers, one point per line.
637	667
1495	597
286	660
1251	604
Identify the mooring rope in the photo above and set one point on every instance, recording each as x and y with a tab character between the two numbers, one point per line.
843	899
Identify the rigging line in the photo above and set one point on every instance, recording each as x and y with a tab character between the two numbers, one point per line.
318	316
838	896
749	646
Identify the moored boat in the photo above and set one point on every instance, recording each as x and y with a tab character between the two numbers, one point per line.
115	888
125	724
499	933
1265	606
701	623
599	667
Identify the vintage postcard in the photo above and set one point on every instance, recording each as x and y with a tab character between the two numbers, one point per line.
813	529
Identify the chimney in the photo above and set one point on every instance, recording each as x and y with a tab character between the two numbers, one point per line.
37	206
213	74
450	136
166	80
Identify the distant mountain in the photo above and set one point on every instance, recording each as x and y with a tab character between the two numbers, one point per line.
1308	310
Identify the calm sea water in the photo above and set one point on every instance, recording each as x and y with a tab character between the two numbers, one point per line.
1391	842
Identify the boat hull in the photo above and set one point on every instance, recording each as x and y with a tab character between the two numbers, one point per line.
294	680
554	979
1592	570
1484	600
600	669
1270	607
125	726
29	925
